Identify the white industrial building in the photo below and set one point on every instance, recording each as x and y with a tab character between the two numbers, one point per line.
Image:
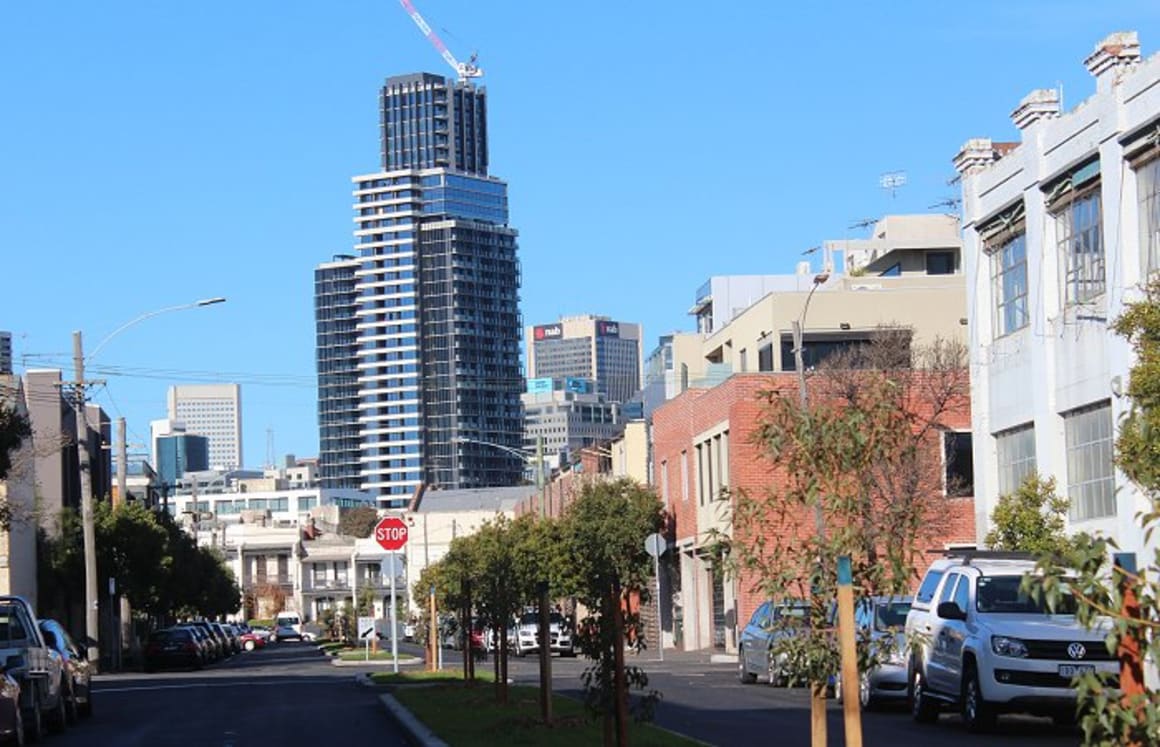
1061	229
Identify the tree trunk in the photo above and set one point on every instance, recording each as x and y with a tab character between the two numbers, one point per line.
465	618
621	685
503	661
606	667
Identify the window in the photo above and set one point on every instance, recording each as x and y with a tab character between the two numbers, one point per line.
1015	452
744	356
1009	285
665	481
960	465
1148	189
1081	249
1088	433
765	357
929	584
963	594
940	263
892	271
684	475
949	588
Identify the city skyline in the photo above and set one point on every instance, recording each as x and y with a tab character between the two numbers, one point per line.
262	220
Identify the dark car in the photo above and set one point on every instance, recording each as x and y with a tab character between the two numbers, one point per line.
208	645
78	670
221	648
172	647
229	638
770	623
11	719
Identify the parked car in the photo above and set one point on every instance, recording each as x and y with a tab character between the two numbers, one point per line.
769	623
173	647
286	633
261	631
982	645
35	665
882	620
409	630
11	721
78	670
288	618
211	648
229	640
560	639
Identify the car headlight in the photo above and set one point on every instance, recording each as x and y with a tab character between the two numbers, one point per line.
1004	646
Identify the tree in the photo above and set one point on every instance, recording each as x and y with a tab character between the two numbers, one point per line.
1032	519
867	454
602	537
14	428
358	521
1125	712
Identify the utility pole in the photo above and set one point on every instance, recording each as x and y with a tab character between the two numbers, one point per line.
540	474
88	526
125	616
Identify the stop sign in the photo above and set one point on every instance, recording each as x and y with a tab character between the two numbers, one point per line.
391	533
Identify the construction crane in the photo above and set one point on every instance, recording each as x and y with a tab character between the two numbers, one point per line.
465	70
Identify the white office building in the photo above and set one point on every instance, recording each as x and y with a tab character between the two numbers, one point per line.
1061	229
213	411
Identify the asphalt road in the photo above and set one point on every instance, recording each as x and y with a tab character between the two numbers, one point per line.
287	694
706	701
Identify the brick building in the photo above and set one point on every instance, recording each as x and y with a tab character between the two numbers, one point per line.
703	455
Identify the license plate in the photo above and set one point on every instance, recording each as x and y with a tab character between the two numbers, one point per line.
1071	670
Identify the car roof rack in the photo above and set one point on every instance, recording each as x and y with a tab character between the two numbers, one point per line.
969	554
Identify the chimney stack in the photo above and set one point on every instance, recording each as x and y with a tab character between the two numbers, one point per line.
1042	103
1116	53
976	154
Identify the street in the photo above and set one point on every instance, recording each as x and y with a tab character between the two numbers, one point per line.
287	694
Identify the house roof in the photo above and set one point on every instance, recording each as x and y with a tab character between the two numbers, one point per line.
501	500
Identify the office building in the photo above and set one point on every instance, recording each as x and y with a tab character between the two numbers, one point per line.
430	122
563	417
336	354
588	347
179	453
5	353
1061	230
214	411
435	312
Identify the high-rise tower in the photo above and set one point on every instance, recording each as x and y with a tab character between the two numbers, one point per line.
214	411
590	347
435	312
336	349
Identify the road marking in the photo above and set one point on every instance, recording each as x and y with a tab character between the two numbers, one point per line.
246	683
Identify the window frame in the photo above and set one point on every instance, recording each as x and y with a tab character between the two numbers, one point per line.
1079	228
1002	268
1093	496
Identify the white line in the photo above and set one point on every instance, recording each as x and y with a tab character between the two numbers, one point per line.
243	683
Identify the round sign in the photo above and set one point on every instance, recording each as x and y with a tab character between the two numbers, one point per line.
655	545
391	533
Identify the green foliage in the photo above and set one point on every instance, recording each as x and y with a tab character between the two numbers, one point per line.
867	455
1084	569
358	521
14	428
1032	519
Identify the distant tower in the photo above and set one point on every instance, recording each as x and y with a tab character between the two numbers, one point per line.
214	411
589	347
5	353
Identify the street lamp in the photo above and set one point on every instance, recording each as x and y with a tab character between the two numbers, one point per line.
538	457
88	528
803	396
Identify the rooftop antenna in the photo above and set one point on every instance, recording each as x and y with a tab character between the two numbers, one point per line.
269	448
864	223
892	180
949	204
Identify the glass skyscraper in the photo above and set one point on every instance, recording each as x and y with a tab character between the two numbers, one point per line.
434	323
336	348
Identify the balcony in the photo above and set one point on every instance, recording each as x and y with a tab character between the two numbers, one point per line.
271	579
328	584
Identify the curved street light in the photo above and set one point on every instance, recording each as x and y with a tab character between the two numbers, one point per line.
88	527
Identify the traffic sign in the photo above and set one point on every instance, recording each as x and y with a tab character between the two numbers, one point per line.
655	545
366	628
391	533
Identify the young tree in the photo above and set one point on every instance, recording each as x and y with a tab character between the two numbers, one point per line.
602	537
1106	594
867	456
1032	519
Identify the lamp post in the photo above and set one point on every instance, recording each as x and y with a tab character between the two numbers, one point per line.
88	527
817	689
538	457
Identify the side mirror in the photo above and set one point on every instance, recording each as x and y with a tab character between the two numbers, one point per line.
950	611
50	639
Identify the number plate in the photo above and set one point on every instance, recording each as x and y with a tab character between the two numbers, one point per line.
1071	670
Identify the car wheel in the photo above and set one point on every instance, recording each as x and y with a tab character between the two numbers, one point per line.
250	645
978	714
773	676
743	673
865	694
922	708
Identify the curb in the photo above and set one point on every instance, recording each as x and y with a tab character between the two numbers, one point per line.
723	659
337	662
416	730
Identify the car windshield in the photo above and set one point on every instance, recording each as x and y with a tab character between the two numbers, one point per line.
798	613
533	618
890	615
1005	594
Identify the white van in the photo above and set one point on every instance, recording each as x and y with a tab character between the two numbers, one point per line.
289	619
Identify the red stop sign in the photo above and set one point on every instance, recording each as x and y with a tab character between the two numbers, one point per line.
391	533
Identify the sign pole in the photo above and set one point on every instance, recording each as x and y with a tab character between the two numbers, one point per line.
660	634
394	625
433	665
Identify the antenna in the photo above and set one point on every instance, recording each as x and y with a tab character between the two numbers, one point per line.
864	223
269	448
892	180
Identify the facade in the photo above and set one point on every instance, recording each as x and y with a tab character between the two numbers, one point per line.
214	411
5	353
589	347
269	505
179	453
431	122
1061	230
435	313
562	422
336	352
18	557
670	367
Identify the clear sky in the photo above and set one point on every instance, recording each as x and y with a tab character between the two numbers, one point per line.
154	153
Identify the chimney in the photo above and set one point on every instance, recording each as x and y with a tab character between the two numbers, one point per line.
1042	103
976	154
1115	53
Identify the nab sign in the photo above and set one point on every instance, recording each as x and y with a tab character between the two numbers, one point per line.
548	332
391	533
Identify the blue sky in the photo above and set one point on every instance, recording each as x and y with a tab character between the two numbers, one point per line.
158	153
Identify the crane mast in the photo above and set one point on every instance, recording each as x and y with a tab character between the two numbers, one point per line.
465	70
